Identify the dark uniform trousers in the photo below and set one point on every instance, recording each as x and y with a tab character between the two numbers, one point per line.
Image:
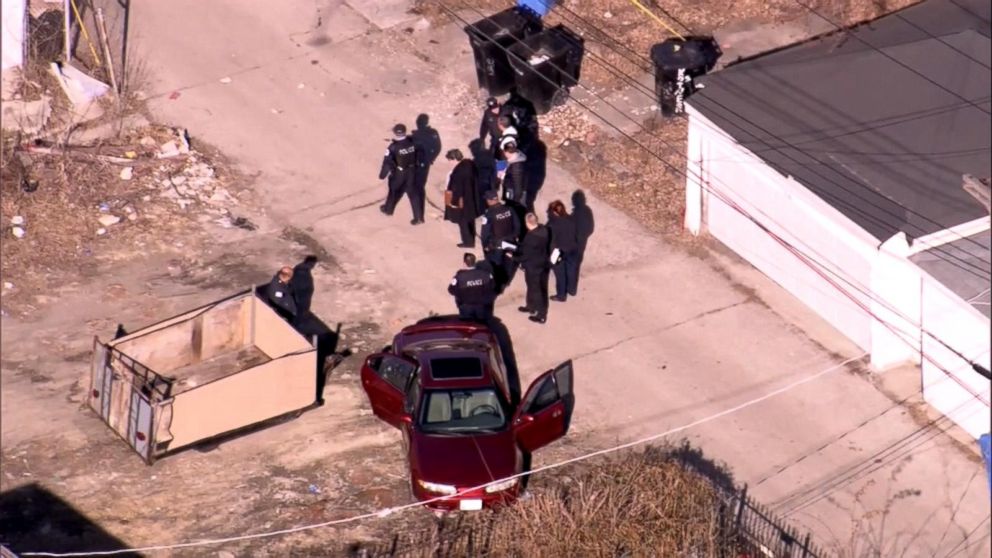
504	268
567	274
400	182
537	289
475	312
418	194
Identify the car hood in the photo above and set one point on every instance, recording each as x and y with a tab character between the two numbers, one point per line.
463	461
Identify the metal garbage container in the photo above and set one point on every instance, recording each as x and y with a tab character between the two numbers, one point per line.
490	37
677	63
547	65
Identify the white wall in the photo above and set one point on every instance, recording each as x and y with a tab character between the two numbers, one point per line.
900	300
958	324
792	212
12	52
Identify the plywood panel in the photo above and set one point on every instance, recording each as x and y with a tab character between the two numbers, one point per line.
223	328
257	394
182	340
273	335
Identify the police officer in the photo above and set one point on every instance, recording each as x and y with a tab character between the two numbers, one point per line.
489	127
474	290
499	224
280	294
399	164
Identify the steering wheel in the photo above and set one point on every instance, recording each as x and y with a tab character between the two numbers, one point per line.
484	410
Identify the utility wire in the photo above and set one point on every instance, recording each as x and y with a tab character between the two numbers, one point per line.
719	195
863	41
674	150
384	512
962	263
945	43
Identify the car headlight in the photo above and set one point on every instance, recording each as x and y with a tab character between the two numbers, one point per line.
436	488
501	486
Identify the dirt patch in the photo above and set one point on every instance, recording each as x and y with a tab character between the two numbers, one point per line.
306	240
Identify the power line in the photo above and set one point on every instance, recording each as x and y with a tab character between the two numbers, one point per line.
857	37
969	267
962	263
384	512
719	195
945	43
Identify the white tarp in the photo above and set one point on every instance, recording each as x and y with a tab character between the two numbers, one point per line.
13	33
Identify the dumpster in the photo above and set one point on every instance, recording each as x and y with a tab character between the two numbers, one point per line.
547	65
677	63
491	37
204	373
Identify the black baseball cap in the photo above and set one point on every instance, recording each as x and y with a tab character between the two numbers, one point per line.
491	102
491	195
399	130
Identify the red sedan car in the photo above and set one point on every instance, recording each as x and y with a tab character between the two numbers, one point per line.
444	383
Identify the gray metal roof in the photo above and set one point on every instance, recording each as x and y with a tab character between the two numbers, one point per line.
882	144
946	267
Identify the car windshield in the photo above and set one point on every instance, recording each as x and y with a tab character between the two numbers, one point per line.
462	411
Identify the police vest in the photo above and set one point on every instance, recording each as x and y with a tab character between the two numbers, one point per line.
404	153
502	219
473	285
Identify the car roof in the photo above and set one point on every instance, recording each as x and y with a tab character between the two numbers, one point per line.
444	338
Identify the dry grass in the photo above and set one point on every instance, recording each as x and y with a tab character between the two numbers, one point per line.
645	503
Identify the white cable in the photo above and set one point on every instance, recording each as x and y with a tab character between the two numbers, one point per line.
388	511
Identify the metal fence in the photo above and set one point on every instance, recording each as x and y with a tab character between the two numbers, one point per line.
747	530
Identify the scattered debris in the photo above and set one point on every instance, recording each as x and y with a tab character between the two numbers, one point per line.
17	220
18	232
101	231
127	173
8	285
168	149
226	80
108	220
82	90
243	223
300	86
174	95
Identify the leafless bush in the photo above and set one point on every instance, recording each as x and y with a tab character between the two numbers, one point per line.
648	503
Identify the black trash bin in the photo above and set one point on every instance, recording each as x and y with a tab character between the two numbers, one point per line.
677	63
490	37
547	65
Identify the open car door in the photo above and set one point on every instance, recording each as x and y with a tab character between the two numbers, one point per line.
385	378
546	410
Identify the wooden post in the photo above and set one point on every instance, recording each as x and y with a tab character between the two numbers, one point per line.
101	27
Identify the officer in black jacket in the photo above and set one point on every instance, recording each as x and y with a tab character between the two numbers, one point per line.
399	164
280	294
489	127
474	290
533	256
499	224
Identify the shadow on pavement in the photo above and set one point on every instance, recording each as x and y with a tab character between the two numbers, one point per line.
32	519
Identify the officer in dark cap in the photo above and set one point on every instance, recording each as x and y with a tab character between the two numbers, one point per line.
399	164
500	224
474	290
490	123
